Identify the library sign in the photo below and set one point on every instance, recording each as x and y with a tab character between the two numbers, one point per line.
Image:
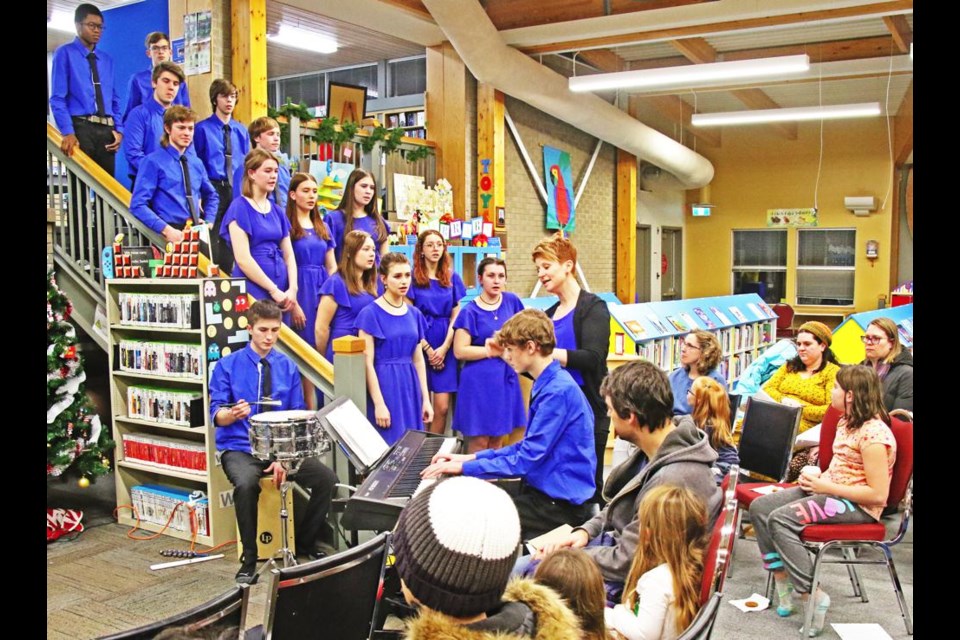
791	217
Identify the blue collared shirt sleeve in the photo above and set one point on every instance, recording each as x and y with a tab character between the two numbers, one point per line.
220	389
133	139
115	102
517	460
144	189
209	198
134	96
183	95
59	85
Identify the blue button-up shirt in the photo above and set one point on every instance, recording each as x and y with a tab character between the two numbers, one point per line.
140	90
72	92
143	130
557	454
159	195
208	142
279	194
237	377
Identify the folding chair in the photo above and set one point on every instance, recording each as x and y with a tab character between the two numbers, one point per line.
224	611
334	597
717	557
702	626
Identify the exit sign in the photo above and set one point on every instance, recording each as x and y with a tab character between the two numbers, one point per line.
701	211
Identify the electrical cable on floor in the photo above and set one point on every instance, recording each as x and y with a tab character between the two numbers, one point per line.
193	530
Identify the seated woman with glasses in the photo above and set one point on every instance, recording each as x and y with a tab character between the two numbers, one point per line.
893	364
699	356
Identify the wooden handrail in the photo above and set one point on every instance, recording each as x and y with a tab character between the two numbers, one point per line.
97	172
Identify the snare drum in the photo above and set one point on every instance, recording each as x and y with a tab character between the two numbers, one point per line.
287	435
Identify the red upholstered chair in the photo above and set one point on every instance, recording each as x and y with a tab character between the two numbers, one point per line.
716	560
854	541
784	320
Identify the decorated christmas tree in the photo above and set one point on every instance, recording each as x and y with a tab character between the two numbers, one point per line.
76	442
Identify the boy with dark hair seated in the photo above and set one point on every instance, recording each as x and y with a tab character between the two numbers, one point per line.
556	459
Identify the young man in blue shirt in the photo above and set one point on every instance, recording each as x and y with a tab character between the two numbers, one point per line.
222	143
265	134
140	87
144	125
246	376
556	459
160	195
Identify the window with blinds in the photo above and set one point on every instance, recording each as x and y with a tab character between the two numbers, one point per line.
760	263
826	263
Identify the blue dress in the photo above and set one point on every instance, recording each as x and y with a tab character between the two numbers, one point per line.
348	308
489	402
395	339
337	224
436	302
265	232
311	254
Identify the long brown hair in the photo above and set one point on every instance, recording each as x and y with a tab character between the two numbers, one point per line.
867	395
889	328
252	162
348	269
709	351
673	530
347	203
575	576
444	268
296	229
711	406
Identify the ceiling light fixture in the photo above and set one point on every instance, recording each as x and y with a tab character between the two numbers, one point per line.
61	21
692	75
757	116
288	36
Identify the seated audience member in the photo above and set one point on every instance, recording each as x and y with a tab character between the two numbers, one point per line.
140	87
455	544
640	402
853	490
699	356
556	458
662	593
575	576
806	380
893	363
245	377
144	124
172	186
711	414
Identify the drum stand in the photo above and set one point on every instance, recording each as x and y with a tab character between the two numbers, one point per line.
284	553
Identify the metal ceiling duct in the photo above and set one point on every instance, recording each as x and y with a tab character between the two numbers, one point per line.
475	38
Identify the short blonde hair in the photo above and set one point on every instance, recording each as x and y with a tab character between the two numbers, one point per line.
529	324
556	248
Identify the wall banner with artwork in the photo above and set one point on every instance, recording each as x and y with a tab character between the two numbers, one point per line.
558	180
792	217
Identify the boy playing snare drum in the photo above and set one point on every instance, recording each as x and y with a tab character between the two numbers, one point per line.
239	381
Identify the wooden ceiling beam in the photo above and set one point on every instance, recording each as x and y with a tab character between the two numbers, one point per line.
671	107
903	129
603	60
900	30
696	50
880	8
833	51
517	14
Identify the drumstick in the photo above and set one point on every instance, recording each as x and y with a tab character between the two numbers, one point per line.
266	403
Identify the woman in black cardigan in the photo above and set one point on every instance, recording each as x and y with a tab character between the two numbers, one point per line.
582	324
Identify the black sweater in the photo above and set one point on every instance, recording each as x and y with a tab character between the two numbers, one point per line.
591	328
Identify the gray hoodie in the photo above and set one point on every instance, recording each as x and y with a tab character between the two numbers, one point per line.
684	459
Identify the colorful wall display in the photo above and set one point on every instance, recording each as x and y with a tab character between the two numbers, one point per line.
558	180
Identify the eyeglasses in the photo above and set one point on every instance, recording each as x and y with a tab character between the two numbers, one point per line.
93	26
871	339
158	48
687	345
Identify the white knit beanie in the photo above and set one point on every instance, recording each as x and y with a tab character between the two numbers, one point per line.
456	544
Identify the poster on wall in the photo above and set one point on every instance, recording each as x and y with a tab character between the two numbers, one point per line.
406	190
791	217
558	180
196	42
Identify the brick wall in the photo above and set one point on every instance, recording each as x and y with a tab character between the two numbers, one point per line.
526	212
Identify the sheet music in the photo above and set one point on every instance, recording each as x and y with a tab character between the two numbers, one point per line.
357	433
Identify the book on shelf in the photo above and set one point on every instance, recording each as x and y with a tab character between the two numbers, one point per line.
156	503
767	310
655	321
678	324
690	322
756	311
170	406
723	318
165	453
636	328
738	314
710	324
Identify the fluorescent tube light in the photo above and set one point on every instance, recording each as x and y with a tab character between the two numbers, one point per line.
693	74
61	21
289	36
786	115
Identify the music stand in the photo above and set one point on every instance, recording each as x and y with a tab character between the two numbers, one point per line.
349	428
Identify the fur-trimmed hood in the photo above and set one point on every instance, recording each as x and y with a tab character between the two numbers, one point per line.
530	610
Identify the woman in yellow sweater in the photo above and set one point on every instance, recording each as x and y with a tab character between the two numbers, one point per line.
807	380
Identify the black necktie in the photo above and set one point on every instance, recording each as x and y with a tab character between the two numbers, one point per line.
266	383
227	154
92	59
187	188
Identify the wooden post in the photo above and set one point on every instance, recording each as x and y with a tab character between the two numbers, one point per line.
249	53
626	226
446	100
491	181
